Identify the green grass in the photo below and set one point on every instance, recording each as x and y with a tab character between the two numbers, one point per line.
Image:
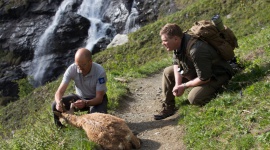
224	123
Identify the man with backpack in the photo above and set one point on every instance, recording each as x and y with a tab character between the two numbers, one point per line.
196	65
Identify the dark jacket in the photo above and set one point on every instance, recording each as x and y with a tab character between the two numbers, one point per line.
202	61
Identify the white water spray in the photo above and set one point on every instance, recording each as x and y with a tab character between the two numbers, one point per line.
43	55
89	9
92	10
131	26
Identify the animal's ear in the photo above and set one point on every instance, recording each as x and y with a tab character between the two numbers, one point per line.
57	113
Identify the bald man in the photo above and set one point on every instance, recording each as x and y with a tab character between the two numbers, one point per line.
90	85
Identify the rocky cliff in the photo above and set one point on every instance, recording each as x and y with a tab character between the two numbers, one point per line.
23	23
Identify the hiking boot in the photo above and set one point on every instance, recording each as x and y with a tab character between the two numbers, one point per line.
166	112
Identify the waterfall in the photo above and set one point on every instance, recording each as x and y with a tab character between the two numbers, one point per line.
43	55
131	26
92	10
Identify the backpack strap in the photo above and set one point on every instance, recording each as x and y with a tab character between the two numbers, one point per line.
190	43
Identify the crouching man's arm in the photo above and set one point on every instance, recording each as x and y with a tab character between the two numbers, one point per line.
92	102
59	94
195	82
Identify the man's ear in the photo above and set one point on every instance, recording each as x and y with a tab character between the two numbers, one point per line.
176	38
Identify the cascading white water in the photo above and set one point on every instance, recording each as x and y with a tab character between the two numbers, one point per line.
89	9
92	10
42	55
131	26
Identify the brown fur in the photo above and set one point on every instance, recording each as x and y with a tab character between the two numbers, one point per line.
110	132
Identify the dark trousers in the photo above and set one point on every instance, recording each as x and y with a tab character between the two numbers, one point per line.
67	100
198	95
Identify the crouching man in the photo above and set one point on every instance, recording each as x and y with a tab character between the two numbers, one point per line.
90	85
200	68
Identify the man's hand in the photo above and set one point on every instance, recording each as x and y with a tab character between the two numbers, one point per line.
79	104
178	90
59	107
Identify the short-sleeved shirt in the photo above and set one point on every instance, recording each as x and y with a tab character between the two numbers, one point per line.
202	60
87	86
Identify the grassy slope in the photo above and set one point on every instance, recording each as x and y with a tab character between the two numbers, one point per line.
225	123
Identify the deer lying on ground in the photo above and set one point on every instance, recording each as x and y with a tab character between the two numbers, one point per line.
108	131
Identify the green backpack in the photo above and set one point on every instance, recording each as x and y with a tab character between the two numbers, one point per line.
213	32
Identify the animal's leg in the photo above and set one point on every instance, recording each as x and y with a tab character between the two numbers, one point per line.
72	109
136	142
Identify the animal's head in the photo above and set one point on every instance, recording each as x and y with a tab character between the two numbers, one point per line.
57	113
67	118
62	105
62	117
71	109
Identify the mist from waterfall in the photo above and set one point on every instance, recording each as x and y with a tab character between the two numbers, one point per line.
92	10
131	26
43	55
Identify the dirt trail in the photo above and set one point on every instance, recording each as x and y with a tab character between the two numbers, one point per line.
138	109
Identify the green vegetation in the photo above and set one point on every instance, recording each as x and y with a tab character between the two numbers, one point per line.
13	3
230	120
10	58
227	122
24	87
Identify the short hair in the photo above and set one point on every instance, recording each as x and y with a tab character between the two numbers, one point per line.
171	29
85	53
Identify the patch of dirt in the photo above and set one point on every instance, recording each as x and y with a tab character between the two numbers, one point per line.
138	109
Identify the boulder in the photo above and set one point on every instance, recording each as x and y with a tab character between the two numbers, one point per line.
119	39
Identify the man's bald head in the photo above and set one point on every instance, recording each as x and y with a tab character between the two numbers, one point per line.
83	60
83	54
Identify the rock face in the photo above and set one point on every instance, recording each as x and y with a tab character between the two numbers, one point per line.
20	32
119	39
22	25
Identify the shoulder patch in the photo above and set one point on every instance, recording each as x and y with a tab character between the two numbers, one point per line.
101	80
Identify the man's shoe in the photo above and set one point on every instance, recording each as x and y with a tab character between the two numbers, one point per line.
164	114
160	117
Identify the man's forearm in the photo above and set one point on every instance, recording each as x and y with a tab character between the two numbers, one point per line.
92	102
58	96
60	92
195	82
177	76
